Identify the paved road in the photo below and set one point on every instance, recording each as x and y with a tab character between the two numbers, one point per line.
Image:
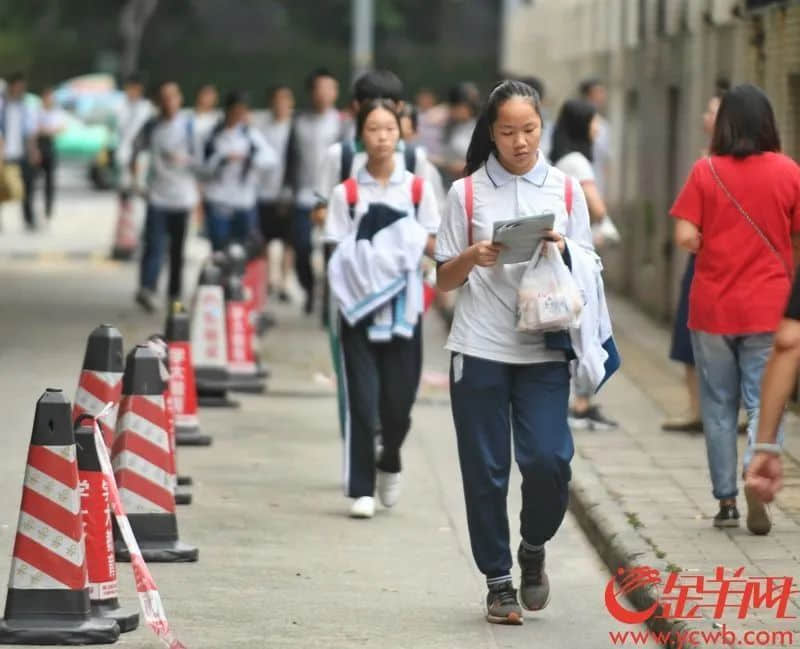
280	563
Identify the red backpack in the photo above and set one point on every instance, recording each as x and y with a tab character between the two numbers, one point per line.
469	200
351	194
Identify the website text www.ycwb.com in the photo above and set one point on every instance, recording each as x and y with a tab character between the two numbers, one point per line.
695	637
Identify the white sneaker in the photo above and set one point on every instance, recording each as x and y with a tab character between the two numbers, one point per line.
388	487
363	507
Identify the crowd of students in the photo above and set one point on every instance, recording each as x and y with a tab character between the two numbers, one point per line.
388	183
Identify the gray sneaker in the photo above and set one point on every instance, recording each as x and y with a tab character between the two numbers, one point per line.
502	606
534	590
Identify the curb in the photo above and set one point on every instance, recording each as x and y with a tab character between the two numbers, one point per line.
620	545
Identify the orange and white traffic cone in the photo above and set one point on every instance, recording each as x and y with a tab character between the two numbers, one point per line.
256	283
142	463
48	594
209	340
182	381
96	514
159	347
101	379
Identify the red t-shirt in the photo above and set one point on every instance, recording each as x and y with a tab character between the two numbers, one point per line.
740	286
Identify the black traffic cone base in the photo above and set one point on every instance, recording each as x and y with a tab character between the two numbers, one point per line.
159	552
215	400
185	480
183	498
249	383
127	620
33	631
190	436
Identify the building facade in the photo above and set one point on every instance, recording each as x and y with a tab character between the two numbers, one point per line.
661	60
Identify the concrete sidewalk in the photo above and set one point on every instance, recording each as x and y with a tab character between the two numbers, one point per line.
645	496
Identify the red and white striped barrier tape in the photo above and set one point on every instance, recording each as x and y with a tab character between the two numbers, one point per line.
154	614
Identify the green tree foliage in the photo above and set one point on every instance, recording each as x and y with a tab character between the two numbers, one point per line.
253	44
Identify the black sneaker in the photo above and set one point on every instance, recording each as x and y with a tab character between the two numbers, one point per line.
502	606
728	516
591	419
534	590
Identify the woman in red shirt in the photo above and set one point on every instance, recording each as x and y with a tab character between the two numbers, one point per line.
740	212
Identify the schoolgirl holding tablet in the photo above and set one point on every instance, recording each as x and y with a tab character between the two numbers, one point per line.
501	379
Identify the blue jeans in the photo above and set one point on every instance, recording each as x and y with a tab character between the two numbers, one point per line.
226	224
730	370
491	401
161	223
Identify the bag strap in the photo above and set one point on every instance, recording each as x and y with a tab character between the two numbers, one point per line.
410	155
351	195
416	193
348	153
568	193
752	223
469	199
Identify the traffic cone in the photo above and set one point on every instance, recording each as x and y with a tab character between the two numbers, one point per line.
159	347
48	597
141	461
125	235
242	368
96	513
101	379
181	380
209	340
256	283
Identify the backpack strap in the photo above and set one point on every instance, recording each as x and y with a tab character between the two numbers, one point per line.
190	134
351	195
568	193
469	199
416	193
348	153
410	155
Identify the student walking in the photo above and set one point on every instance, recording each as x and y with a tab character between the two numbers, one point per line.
274	198
739	211
235	158
312	133
572	152
384	219
51	122
18	140
171	193
503	380
131	115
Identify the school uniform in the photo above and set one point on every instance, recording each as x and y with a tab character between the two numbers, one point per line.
50	120
131	116
375	280
502	379
312	134
18	122
232	185
274	196
171	195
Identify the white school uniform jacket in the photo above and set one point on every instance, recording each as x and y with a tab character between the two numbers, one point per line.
375	268
235	183
171	182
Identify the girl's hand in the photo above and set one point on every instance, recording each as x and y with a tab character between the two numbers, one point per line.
555	237
484	253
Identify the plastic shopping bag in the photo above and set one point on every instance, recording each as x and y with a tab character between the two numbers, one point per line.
548	298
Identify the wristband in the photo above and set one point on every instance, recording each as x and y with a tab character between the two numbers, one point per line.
766	447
